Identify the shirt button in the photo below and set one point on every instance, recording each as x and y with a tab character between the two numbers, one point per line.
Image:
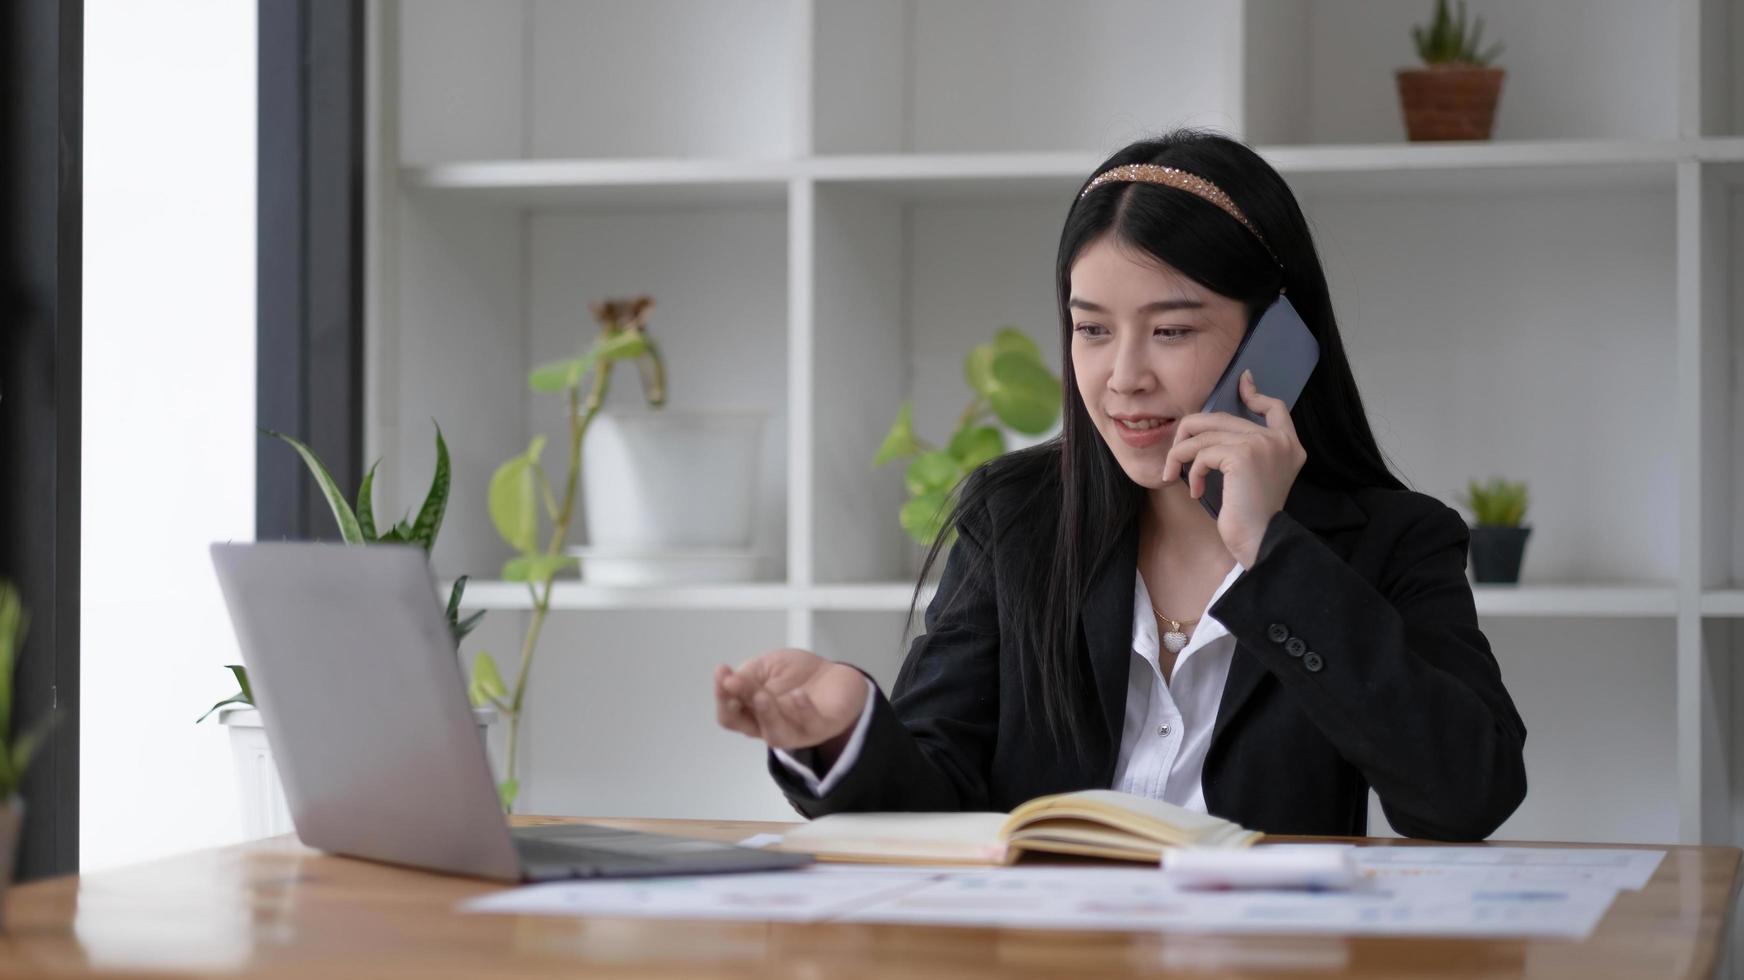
1313	662
1277	632
1163	730
1295	647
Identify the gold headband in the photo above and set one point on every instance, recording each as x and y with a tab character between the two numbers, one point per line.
1151	173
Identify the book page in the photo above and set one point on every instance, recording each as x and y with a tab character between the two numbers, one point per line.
971	836
1154	818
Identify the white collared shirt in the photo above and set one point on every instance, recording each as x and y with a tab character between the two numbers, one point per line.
1168	725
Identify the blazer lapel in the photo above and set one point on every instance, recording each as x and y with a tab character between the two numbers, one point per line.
1319	509
1107	620
1108	610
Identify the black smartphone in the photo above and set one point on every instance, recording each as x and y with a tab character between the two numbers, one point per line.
1281	352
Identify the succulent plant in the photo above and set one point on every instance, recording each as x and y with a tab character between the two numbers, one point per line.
1498	503
357	527
1446	39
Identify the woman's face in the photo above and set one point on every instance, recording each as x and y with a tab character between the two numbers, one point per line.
1147	342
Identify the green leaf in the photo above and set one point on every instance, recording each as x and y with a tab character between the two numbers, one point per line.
241	673
465	626
429	521
932	472
507	791
899	441
550	377
458	627
621	346
555	376
486	684
535	568
514	505
233	699
1024	396
349	530
366	506
1015	341
976	444
454	594
978	368
244	696
923	516
25	746
14	626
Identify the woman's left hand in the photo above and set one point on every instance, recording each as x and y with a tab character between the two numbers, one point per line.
1259	464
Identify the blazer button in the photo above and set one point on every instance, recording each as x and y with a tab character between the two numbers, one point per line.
1295	647
1277	632
1313	662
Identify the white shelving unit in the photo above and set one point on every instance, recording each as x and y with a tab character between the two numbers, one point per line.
832	200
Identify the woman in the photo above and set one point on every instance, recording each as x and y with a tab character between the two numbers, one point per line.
1327	643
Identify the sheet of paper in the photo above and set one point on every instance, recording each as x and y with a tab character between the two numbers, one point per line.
813	893
1079	897
1619	868
1046	898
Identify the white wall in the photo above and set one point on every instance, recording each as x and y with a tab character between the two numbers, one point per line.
168	414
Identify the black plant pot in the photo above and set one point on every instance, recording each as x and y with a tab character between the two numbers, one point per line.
1496	552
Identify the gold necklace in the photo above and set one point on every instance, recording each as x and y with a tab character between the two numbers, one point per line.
1173	640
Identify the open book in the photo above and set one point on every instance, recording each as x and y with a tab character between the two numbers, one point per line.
1095	822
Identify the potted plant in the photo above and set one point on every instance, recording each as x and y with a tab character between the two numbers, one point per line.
645	522
15	752
535	521
264	811
1454	96
1498	540
1011	383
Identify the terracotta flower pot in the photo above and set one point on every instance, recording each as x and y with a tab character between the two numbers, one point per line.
1449	102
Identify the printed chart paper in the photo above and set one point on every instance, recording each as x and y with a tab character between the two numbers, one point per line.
1425	891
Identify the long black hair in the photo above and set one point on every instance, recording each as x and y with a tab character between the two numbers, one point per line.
1072	485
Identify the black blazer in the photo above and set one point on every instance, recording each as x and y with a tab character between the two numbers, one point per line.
1358	662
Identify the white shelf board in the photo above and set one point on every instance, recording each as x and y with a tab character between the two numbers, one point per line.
1720	149
1616	600
1384	168
956	176
870	597
574	594
607	183
1609	600
1724	603
1491	165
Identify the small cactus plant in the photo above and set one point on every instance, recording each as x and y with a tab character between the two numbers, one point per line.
1498	503
1446	39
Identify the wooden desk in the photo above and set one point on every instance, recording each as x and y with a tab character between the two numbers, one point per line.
276	908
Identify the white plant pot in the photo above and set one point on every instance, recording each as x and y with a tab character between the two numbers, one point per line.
264	810
670	495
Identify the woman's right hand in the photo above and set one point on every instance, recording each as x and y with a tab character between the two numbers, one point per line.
791	699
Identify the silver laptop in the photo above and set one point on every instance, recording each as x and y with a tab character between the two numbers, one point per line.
359	687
